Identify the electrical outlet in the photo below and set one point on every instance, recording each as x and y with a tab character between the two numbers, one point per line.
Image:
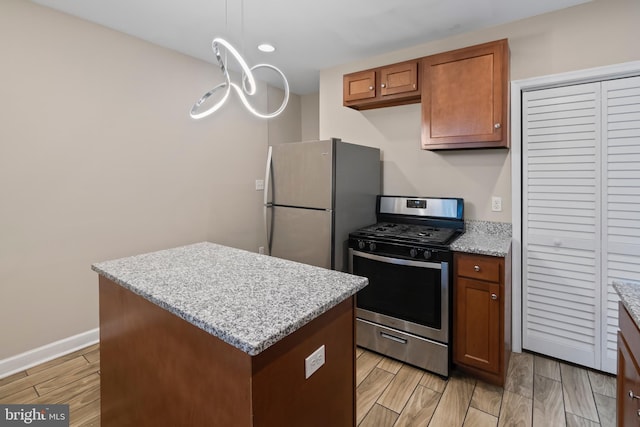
496	204
261	250
259	184
314	361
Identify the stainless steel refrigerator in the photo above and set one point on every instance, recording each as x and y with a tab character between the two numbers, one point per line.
316	193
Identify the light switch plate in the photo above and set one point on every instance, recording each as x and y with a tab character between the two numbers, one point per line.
259	184
314	361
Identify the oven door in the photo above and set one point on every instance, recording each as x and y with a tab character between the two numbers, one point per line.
407	295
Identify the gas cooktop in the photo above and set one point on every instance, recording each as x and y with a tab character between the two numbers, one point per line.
408	233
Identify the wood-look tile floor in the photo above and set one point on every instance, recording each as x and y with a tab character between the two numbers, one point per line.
73	379
538	392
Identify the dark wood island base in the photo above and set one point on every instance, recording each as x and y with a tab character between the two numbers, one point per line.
159	370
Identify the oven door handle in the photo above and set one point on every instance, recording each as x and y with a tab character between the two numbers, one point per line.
393	338
398	261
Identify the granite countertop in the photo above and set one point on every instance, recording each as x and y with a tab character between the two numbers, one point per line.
484	238
248	300
630	295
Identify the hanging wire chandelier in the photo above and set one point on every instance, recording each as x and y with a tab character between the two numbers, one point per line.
248	83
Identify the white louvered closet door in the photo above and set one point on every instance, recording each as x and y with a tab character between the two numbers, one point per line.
561	223
581	216
620	201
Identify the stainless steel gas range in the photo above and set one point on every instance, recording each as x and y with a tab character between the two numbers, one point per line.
404	313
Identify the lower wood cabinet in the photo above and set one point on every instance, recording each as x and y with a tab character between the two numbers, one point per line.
482	316
628	393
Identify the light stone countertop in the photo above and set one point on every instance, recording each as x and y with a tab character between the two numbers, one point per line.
630	295
248	300
484	238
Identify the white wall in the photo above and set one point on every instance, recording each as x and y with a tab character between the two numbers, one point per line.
310	114
601	32
99	159
287	126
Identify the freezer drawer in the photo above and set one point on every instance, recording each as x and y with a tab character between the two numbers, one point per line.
302	235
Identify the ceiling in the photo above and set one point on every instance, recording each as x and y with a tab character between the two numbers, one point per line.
308	35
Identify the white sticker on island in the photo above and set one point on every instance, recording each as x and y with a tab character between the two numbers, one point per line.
314	361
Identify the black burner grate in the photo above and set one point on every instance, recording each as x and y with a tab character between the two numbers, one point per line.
407	233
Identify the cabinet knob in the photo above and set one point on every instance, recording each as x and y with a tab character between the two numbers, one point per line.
414	85
632	395
383	85
476	268
494	297
497	126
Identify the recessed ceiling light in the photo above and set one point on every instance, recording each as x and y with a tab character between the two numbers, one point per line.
266	47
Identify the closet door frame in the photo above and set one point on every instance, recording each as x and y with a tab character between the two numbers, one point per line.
628	69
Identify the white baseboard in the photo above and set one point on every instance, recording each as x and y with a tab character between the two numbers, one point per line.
28	359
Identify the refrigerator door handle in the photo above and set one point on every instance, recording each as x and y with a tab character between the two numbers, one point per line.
267	204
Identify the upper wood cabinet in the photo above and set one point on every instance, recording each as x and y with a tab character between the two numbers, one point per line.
359	86
465	98
464	94
399	79
387	86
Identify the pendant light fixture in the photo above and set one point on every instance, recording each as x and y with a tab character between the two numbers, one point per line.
248	87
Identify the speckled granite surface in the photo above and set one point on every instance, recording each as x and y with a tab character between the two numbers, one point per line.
248	300
484	238
630	295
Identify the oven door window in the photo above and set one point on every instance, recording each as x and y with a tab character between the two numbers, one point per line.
405	292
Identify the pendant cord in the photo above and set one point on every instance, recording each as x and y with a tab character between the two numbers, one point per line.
226	25
242	25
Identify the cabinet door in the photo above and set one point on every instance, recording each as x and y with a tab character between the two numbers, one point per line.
358	86
464	98
477	324
399	78
628	382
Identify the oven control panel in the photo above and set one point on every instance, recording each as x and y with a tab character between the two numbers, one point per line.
396	250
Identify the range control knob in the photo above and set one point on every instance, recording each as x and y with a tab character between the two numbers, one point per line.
372	246
361	244
413	252
427	254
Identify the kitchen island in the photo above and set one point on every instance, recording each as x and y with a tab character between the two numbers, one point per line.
207	335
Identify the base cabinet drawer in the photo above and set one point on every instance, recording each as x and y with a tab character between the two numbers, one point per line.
479	267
